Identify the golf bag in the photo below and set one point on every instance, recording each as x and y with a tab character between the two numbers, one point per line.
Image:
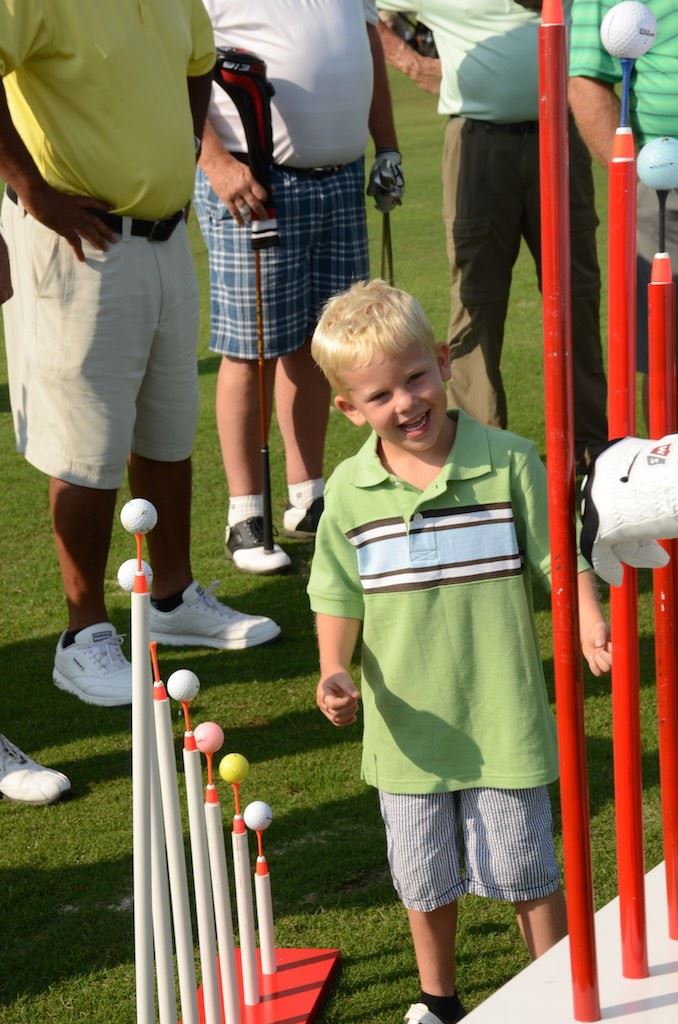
242	75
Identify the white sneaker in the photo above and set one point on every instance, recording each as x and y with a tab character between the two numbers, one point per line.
94	667
202	621
244	543
25	780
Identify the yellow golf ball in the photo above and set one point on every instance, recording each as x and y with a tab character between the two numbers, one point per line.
234	768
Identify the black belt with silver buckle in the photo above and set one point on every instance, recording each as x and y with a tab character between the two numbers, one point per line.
153	230
314	173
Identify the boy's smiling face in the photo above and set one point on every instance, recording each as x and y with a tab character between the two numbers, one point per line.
403	399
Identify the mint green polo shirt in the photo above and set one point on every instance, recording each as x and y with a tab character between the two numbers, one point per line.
653	106
453	690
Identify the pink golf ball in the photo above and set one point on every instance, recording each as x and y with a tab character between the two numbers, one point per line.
257	816
209	737
183	685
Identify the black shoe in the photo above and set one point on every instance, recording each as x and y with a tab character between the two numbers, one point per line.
303	523
245	545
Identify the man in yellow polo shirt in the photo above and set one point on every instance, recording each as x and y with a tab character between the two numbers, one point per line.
101	102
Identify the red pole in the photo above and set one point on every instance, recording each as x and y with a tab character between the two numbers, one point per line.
628	785
661	318
555	241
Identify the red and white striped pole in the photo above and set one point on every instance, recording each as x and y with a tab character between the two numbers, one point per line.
555	229
624	600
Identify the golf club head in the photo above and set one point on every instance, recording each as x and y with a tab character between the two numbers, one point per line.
242	75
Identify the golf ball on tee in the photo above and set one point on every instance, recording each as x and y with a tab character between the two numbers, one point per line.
183	685
658	164
257	816
628	29
209	737
138	516
234	768
128	571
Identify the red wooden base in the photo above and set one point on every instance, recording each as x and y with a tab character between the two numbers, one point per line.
293	994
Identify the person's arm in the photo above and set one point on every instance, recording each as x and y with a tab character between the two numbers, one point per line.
381	122
231	179
595	107
5	278
426	72
199	92
74	217
594	631
336	694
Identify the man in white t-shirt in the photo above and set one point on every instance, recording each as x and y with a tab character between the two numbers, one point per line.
326	65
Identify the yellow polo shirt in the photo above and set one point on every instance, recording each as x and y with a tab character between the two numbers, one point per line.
97	91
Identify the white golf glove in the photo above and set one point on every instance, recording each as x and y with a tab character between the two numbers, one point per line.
630	502
386	183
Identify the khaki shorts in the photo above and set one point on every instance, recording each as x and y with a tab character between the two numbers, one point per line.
102	354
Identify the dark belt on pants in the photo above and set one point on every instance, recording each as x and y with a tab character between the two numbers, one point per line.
153	230
502	127
314	173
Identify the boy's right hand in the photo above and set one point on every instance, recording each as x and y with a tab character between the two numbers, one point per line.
337	698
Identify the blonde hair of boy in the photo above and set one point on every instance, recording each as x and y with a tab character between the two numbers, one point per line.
371	322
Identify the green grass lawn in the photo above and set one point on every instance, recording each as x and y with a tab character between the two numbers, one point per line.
67	953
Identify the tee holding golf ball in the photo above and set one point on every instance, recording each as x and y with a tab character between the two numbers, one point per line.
258	816
139	516
183	686
628	31
209	737
658	169
234	769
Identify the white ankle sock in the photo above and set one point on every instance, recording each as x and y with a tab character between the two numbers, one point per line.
304	494
244	506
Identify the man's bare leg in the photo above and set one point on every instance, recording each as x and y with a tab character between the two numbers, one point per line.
82	521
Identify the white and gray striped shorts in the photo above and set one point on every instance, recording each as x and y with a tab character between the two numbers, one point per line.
491	842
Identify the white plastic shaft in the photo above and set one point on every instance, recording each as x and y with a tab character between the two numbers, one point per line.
222	912
245	905
262	888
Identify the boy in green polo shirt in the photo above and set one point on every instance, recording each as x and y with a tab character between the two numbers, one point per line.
430	538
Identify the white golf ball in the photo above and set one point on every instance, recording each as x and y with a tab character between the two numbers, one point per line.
257	815
128	571
628	29
183	685
138	516
658	164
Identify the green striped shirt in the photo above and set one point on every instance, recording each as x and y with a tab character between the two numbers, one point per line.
654	82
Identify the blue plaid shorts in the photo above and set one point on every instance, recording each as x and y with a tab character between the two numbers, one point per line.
322	251
502	837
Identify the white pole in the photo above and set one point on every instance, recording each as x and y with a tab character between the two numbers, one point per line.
222	906
262	888
201	881
162	928
176	860
243	894
141	802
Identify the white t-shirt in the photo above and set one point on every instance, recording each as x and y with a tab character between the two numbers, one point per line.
318	59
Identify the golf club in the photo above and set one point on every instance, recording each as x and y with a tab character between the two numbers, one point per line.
386	250
242	75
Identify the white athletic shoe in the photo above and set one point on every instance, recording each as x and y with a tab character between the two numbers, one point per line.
202	621
419	1013
244	543
24	780
94	667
